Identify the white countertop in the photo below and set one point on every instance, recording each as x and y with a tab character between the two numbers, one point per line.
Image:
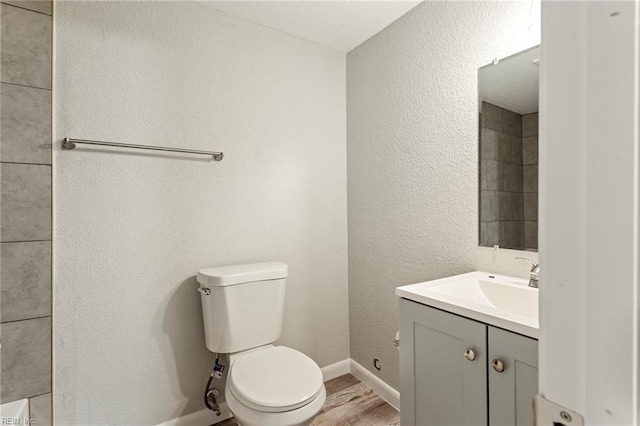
498	300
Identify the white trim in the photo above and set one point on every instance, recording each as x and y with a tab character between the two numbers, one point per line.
337	369
203	417
381	388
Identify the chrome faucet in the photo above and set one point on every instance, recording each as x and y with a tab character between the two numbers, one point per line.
535	270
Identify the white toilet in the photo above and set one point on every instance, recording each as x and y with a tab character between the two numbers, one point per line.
267	385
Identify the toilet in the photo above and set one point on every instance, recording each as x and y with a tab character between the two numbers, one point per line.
267	385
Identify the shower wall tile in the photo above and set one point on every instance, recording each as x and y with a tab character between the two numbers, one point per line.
25	202
503	144
42	6
493	172
489	233
25	54
531	235
510	177
482	232
26	358
501	176
511	234
491	117
483	176
511	123
530	206
40	409
25	280
530	150
517	205
516	150
25	124
488	145
530	125
509	168
488	206
530	178
506	211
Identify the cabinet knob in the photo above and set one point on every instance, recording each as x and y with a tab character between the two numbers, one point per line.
469	354
497	365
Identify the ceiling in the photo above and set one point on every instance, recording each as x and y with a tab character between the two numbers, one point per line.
338	24
512	83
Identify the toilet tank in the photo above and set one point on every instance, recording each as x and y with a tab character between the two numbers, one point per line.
244	305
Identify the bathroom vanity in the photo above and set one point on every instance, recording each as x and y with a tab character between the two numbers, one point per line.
469	351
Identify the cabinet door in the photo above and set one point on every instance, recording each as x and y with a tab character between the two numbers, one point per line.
439	385
511	391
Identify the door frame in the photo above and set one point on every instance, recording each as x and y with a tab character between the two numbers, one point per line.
589	208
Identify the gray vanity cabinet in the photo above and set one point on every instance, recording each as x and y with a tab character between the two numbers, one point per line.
457	371
439	385
511	391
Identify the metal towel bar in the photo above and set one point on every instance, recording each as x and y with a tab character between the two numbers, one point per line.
69	143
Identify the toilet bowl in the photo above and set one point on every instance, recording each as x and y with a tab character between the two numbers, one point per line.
267	385
274	386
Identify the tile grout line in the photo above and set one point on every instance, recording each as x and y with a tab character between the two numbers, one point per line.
24	8
27	319
25	85
26	241
41	394
26	164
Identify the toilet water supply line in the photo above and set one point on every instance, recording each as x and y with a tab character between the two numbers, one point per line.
210	394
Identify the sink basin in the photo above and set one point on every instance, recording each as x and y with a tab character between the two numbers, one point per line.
503	295
500	300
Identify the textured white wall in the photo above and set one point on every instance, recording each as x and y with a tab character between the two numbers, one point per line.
132	228
412	159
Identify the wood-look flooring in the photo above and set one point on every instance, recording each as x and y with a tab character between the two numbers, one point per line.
350	402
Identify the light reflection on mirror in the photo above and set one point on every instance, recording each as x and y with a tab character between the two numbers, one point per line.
508	151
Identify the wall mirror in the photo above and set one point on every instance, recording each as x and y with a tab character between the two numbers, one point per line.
508	151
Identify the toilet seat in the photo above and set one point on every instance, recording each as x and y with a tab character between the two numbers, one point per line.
275	379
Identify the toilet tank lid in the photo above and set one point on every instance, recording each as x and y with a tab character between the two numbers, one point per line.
238	274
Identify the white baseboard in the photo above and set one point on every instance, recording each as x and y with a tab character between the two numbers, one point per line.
337	369
383	390
203	417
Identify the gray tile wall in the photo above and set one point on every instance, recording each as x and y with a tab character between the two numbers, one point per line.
25	204
530	179
501	178
508	178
